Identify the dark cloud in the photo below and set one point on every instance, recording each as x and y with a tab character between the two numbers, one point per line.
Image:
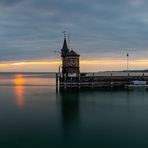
9	2
32	29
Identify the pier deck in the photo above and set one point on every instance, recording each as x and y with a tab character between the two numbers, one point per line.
92	81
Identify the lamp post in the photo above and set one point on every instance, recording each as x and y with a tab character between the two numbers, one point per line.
127	62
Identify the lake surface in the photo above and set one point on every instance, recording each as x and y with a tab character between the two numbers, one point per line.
34	115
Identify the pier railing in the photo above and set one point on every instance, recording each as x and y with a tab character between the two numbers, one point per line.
101	79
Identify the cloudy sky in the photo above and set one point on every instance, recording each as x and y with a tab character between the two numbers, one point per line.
102	32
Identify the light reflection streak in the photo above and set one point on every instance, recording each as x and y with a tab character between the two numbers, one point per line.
19	90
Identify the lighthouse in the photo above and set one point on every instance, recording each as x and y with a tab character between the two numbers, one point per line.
70	61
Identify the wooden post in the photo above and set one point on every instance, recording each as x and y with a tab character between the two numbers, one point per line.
93	81
128	78
111	83
65	84
70	81
57	80
79	81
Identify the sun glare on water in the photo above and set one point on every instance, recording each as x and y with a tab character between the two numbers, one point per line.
19	90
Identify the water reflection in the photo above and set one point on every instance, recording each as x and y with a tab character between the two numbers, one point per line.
19	90
69	102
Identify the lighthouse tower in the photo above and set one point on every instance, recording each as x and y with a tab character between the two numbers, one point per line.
70	61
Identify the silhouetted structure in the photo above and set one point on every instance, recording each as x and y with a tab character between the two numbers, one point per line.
70	61
72	78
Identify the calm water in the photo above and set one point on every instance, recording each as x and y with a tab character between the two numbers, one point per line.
34	115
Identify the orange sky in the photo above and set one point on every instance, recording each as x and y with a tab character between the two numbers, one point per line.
86	65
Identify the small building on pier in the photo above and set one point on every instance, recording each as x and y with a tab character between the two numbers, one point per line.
70	61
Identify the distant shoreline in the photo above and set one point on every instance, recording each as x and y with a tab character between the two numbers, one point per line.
28	72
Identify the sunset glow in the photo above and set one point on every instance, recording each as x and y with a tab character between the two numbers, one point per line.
83	62
86	65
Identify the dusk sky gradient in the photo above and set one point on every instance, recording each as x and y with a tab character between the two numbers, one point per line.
102	32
